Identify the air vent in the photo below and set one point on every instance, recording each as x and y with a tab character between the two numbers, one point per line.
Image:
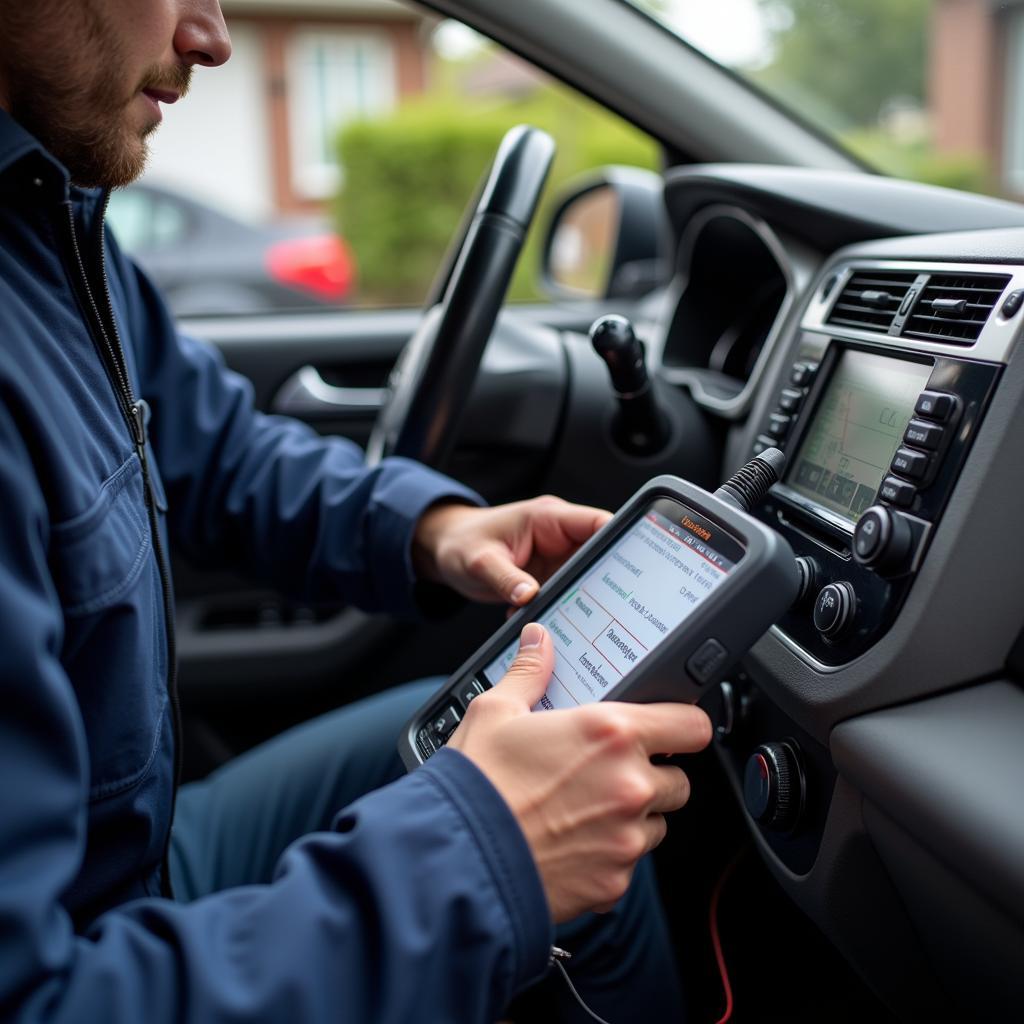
954	307
871	299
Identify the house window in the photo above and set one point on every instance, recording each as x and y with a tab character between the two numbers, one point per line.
336	77
1013	103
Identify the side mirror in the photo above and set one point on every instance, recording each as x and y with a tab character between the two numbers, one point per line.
609	237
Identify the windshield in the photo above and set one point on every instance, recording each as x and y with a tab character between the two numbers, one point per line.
922	89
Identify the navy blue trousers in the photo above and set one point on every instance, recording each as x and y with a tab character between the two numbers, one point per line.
231	828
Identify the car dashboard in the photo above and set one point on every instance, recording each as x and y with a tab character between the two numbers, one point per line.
875	736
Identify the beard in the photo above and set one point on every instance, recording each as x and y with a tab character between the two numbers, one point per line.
68	89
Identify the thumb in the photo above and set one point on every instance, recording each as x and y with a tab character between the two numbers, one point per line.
529	674
496	570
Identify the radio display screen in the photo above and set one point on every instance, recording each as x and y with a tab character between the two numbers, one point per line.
856	429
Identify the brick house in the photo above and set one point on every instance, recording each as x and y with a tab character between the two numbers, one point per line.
256	136
976	84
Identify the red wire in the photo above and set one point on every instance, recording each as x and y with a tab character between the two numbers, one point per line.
716	941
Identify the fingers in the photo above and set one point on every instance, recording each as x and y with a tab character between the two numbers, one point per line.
528	676
656	728
655	829
558	522
671	789
494	569
672	728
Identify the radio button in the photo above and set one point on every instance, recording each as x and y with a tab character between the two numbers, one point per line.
778	425
802	374
1012	303
910	464
922	434
773	786
882	539
763	443
897	492
809	575
935	405
790	400
834	609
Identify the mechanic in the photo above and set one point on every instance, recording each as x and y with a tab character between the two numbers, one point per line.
292	887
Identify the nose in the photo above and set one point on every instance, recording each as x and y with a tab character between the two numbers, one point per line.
201	37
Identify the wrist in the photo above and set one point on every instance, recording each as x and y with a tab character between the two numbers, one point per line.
427	538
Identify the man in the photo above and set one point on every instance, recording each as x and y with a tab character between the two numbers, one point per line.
432	898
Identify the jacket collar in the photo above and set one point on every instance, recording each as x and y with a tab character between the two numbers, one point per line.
26	167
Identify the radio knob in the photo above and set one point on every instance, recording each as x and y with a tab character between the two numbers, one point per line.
882	539
834	609
809	576
773	786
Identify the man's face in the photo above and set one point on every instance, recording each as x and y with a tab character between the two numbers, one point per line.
87	77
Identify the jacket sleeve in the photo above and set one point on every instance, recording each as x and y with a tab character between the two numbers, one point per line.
422	902
267	495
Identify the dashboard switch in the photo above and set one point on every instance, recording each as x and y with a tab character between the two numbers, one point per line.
882	539
773	786
802	374
790	399
923	435
834	609
1012	303
778	425
809	576
935	405
910	464
897	492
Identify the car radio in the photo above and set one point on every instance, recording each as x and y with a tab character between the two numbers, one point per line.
875	438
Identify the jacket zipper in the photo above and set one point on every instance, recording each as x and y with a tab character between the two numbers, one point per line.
135	414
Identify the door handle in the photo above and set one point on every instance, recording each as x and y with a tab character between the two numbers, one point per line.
305	393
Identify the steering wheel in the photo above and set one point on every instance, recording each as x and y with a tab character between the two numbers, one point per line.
428	388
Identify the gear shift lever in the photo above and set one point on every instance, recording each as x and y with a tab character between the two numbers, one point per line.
640	427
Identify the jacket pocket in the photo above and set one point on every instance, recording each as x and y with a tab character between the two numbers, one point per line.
103	566
100	553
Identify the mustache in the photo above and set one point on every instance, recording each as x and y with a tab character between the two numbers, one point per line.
176	78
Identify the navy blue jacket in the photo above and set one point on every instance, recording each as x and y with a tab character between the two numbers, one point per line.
425	894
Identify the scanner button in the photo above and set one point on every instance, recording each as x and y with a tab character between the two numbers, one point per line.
469	690
707	660
444	723
425	742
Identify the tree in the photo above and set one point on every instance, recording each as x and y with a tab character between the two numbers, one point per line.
850	57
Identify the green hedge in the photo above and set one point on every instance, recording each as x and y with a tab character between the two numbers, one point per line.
918	161
409	177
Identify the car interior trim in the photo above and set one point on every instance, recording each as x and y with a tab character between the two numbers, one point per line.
736	406
995	343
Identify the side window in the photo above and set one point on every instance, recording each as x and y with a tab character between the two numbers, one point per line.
169	225
343	146
130	215
337	77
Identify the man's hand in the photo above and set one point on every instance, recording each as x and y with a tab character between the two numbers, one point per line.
580	782
503	553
